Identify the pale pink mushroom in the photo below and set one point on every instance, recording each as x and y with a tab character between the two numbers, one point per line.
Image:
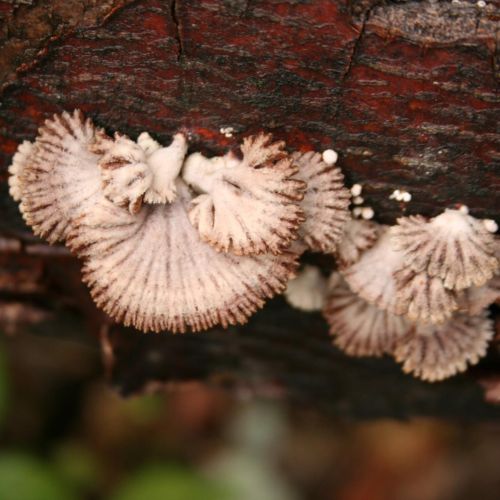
152	271
372	276
426	299
358	236
325	204
436	352
246	206
357	327
452	246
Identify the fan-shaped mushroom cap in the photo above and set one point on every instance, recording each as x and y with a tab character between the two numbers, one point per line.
307	291
248	206
151	270
372	276
59	176
452	246
426	299
436	352
19	161
358	236
325	204
474	299
125	173
359	328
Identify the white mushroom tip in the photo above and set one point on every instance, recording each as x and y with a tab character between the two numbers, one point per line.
356	212
356	189
147	143
358	200
490	225
367	213
399	195
227	131
463	209
330	156
481	4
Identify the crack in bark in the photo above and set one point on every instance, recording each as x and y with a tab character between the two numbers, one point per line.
177	35
355	49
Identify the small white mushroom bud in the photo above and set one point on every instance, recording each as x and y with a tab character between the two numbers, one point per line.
356	189
330	156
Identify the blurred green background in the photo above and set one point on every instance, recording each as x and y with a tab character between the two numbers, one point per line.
65	434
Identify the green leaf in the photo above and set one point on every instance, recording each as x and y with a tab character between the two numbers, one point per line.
163	482
3	384
23	477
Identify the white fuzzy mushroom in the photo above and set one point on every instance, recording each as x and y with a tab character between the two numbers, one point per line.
358	236
452	246
165	164
307	291
436	352
125	173
150	270
143	171
325	204
424	298
246	206
372	276
58	176
357	327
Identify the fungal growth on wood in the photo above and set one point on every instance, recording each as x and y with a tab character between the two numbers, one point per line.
246	206
359	328
307	291
171	241
325	204
453	246
434	318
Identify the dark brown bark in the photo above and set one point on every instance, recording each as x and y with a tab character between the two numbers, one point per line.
406	92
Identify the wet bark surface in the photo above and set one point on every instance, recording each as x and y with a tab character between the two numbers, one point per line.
406	92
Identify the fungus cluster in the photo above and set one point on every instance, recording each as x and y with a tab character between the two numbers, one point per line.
418	290
175	241
184	242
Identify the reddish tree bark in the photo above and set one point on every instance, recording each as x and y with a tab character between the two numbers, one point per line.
406	92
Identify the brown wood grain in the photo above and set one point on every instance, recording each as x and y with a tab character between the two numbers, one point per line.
407	93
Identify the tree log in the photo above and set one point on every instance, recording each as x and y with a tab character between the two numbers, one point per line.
405	92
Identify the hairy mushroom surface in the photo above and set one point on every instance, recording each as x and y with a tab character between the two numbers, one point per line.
425	299
452	246
357	327
57	178
358	236
152	271
325	204
246	206
372	276
124	171
436	352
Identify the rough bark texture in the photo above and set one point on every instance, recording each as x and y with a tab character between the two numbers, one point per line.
406	92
